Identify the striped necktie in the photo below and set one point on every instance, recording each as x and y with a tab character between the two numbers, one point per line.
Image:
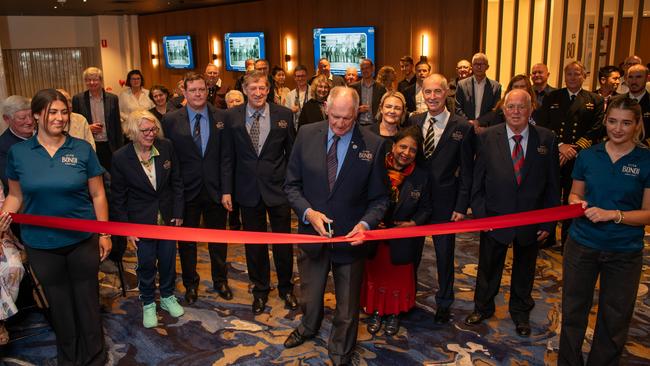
429	142
332	162
517	157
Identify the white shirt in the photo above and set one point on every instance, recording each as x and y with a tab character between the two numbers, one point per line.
420	105
638	98
523	142
439	127
291	102
130	103
479	89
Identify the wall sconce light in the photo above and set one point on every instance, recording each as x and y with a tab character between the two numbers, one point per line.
215	51
287	51
154	53
424	47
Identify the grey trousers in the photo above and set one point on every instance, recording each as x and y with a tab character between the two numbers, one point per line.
347	287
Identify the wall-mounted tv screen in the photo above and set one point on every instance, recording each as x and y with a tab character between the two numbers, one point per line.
344	47
178	52
241	46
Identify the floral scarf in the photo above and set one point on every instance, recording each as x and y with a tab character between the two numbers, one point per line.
396	176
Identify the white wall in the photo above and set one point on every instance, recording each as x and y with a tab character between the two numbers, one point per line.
120	32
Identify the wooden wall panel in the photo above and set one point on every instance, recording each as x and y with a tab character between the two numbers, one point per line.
451	27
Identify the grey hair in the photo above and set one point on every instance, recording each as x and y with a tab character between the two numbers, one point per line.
13	104
341	91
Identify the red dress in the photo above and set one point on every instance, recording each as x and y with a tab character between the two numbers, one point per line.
387	288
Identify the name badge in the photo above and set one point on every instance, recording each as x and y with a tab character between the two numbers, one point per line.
542	150
282	123
69	160
167	164
219	125
631	170
457	135
415	194
366	155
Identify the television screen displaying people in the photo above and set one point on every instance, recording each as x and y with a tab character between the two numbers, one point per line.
240	47
344	47
178	52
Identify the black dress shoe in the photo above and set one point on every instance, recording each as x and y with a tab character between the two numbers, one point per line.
224	291
258	305
475	318
190	295
290	301
442	316
392	325
295	339
523	329
374	323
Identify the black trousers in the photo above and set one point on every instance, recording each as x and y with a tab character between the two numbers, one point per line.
257	255
214	217
347	289
104	154
620	273
69	278
156	257
445	246
234	217
492	257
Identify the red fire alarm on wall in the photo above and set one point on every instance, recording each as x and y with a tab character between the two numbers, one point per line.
104	43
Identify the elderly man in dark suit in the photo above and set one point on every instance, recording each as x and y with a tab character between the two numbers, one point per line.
102	111
477	94
17	114
449	158
516	170
196	132
256	150
336	178
576	117
370	93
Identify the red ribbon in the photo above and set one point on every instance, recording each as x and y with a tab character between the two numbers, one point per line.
247	237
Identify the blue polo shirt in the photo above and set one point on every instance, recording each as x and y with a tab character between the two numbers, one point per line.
54	186
611	186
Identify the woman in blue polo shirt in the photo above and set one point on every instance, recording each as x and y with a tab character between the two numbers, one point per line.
612	182
58	175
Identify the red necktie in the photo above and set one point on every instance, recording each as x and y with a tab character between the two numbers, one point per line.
517	157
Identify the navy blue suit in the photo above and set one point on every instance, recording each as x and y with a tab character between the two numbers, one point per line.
495	192
360	193
378	91
135	200
450	166
81	105
466	97
202	182
259	180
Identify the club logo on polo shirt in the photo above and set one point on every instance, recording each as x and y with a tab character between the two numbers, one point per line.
69	160
631	170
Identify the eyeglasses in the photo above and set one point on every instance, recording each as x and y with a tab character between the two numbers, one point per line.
149	131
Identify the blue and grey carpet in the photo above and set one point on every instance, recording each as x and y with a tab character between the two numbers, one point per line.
218	332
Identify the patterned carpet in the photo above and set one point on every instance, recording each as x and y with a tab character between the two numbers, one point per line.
217	332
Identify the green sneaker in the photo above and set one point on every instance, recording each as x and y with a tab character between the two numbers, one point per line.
170	304
149	317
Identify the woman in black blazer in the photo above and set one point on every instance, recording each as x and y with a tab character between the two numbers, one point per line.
389	278
147	188
314	109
